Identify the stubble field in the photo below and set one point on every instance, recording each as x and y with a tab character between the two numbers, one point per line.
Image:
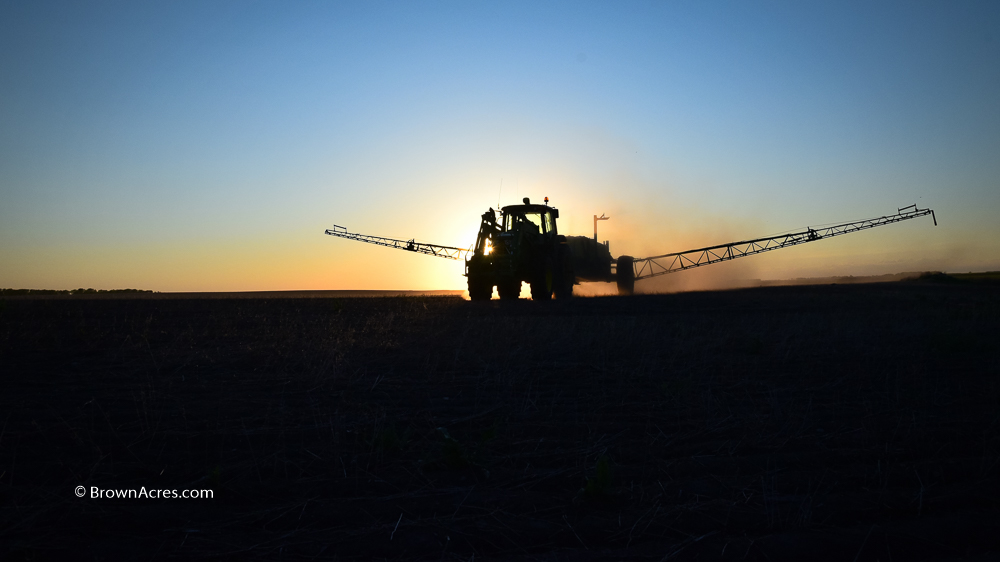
855	422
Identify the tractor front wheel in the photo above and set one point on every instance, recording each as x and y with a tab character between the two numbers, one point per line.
509	289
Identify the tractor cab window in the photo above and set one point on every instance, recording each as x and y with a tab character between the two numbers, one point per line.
532	221
550	225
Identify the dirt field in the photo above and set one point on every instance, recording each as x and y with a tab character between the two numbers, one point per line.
856	422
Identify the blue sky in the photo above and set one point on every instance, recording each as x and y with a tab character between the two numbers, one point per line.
206	145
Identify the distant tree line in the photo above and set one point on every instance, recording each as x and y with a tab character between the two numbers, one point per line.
16	292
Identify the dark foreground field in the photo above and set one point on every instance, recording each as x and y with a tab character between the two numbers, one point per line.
834	422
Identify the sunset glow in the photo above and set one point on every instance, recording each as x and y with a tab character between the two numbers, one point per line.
206	146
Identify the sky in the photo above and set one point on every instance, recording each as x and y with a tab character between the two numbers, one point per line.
206	146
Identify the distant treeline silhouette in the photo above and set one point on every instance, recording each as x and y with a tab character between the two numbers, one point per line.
990	277
16	292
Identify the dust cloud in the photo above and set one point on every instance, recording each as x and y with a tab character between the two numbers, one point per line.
659	227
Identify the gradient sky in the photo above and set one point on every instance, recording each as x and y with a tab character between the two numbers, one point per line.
205	146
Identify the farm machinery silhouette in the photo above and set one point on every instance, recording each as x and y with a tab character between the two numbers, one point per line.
523	244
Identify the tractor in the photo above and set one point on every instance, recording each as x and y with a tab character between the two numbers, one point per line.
523	244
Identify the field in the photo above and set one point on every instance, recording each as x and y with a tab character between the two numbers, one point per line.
836	422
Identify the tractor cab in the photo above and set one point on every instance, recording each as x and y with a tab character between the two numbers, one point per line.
533	220
516	229
521	244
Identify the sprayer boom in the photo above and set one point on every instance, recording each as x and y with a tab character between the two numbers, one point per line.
448	252
644	268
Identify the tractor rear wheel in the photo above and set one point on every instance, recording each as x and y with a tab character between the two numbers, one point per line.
479	288
541	285
564	276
